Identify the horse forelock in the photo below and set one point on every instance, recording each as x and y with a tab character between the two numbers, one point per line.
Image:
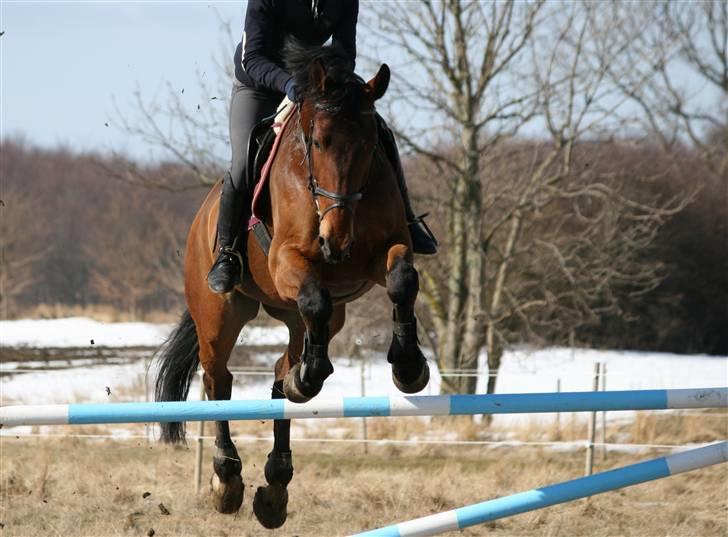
344	91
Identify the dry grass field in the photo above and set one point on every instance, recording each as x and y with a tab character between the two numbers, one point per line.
101	487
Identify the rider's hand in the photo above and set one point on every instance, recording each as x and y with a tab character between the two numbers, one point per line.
292	90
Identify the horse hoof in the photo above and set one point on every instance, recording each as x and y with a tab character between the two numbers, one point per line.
270	506
291	386
416	385
227	497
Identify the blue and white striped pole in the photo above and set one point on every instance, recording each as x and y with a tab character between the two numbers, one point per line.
479	513
357	407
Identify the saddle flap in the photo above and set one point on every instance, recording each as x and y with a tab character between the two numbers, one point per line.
259	144
264	159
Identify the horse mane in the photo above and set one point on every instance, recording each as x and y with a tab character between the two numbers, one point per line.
344	89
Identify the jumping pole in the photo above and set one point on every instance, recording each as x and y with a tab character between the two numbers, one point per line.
567	491
357	407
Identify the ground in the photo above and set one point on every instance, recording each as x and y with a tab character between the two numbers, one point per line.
86	487
120	485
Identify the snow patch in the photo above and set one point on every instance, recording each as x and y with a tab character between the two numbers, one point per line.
81	332
522	370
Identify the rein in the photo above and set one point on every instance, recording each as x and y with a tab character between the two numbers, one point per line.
341	201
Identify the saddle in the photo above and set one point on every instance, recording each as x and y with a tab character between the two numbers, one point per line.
262	147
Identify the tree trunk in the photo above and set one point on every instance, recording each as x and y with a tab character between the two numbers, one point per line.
451	339
495	353
474	333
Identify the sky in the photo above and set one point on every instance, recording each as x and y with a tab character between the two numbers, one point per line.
68	69
65	67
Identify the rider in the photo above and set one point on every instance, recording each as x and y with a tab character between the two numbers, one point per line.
260	84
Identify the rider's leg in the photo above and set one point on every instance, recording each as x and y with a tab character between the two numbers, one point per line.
248	106
423	241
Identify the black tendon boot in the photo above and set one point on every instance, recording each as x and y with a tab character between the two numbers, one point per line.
423	241
227	270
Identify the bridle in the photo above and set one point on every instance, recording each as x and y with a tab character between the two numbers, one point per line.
341	201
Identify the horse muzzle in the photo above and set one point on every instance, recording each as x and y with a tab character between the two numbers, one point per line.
332	253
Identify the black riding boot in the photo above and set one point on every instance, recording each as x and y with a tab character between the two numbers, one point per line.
227	270
423	241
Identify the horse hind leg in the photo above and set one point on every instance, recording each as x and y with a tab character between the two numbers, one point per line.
226	482
270	503
218	329
410	371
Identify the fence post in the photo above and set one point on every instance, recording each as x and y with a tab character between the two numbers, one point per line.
558	414
362	361
147	429
198	449
604	413
592	426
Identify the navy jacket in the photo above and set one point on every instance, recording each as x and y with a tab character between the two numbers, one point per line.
259	56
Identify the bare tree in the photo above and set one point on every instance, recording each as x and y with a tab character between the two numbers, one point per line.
484	73
459	57
538	240
675	71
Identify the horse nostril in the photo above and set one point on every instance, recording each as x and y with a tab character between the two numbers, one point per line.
325	248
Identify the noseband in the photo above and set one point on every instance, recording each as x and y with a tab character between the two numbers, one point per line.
341	201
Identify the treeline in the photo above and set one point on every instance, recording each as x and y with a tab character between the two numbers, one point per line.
73	232
669	267
687	311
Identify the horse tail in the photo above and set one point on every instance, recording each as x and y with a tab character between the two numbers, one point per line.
177	361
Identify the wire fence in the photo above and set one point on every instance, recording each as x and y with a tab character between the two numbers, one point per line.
562	444
589	445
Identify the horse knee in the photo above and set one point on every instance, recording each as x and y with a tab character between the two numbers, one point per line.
314	302
403	283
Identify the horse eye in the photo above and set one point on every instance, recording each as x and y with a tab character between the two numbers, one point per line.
317	144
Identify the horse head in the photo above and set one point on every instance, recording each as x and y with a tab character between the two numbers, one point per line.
338	126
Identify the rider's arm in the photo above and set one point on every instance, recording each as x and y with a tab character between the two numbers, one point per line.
345	33
259	26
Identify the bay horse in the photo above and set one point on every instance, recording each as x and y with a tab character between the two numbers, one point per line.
338	228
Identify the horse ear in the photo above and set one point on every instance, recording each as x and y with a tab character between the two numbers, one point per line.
379	84
317	74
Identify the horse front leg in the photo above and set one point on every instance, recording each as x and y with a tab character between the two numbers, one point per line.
307	377
297	280
410	371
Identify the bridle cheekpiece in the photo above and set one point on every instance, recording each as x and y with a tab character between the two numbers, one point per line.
341	201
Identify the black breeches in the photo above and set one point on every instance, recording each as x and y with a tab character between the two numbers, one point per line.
248	106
